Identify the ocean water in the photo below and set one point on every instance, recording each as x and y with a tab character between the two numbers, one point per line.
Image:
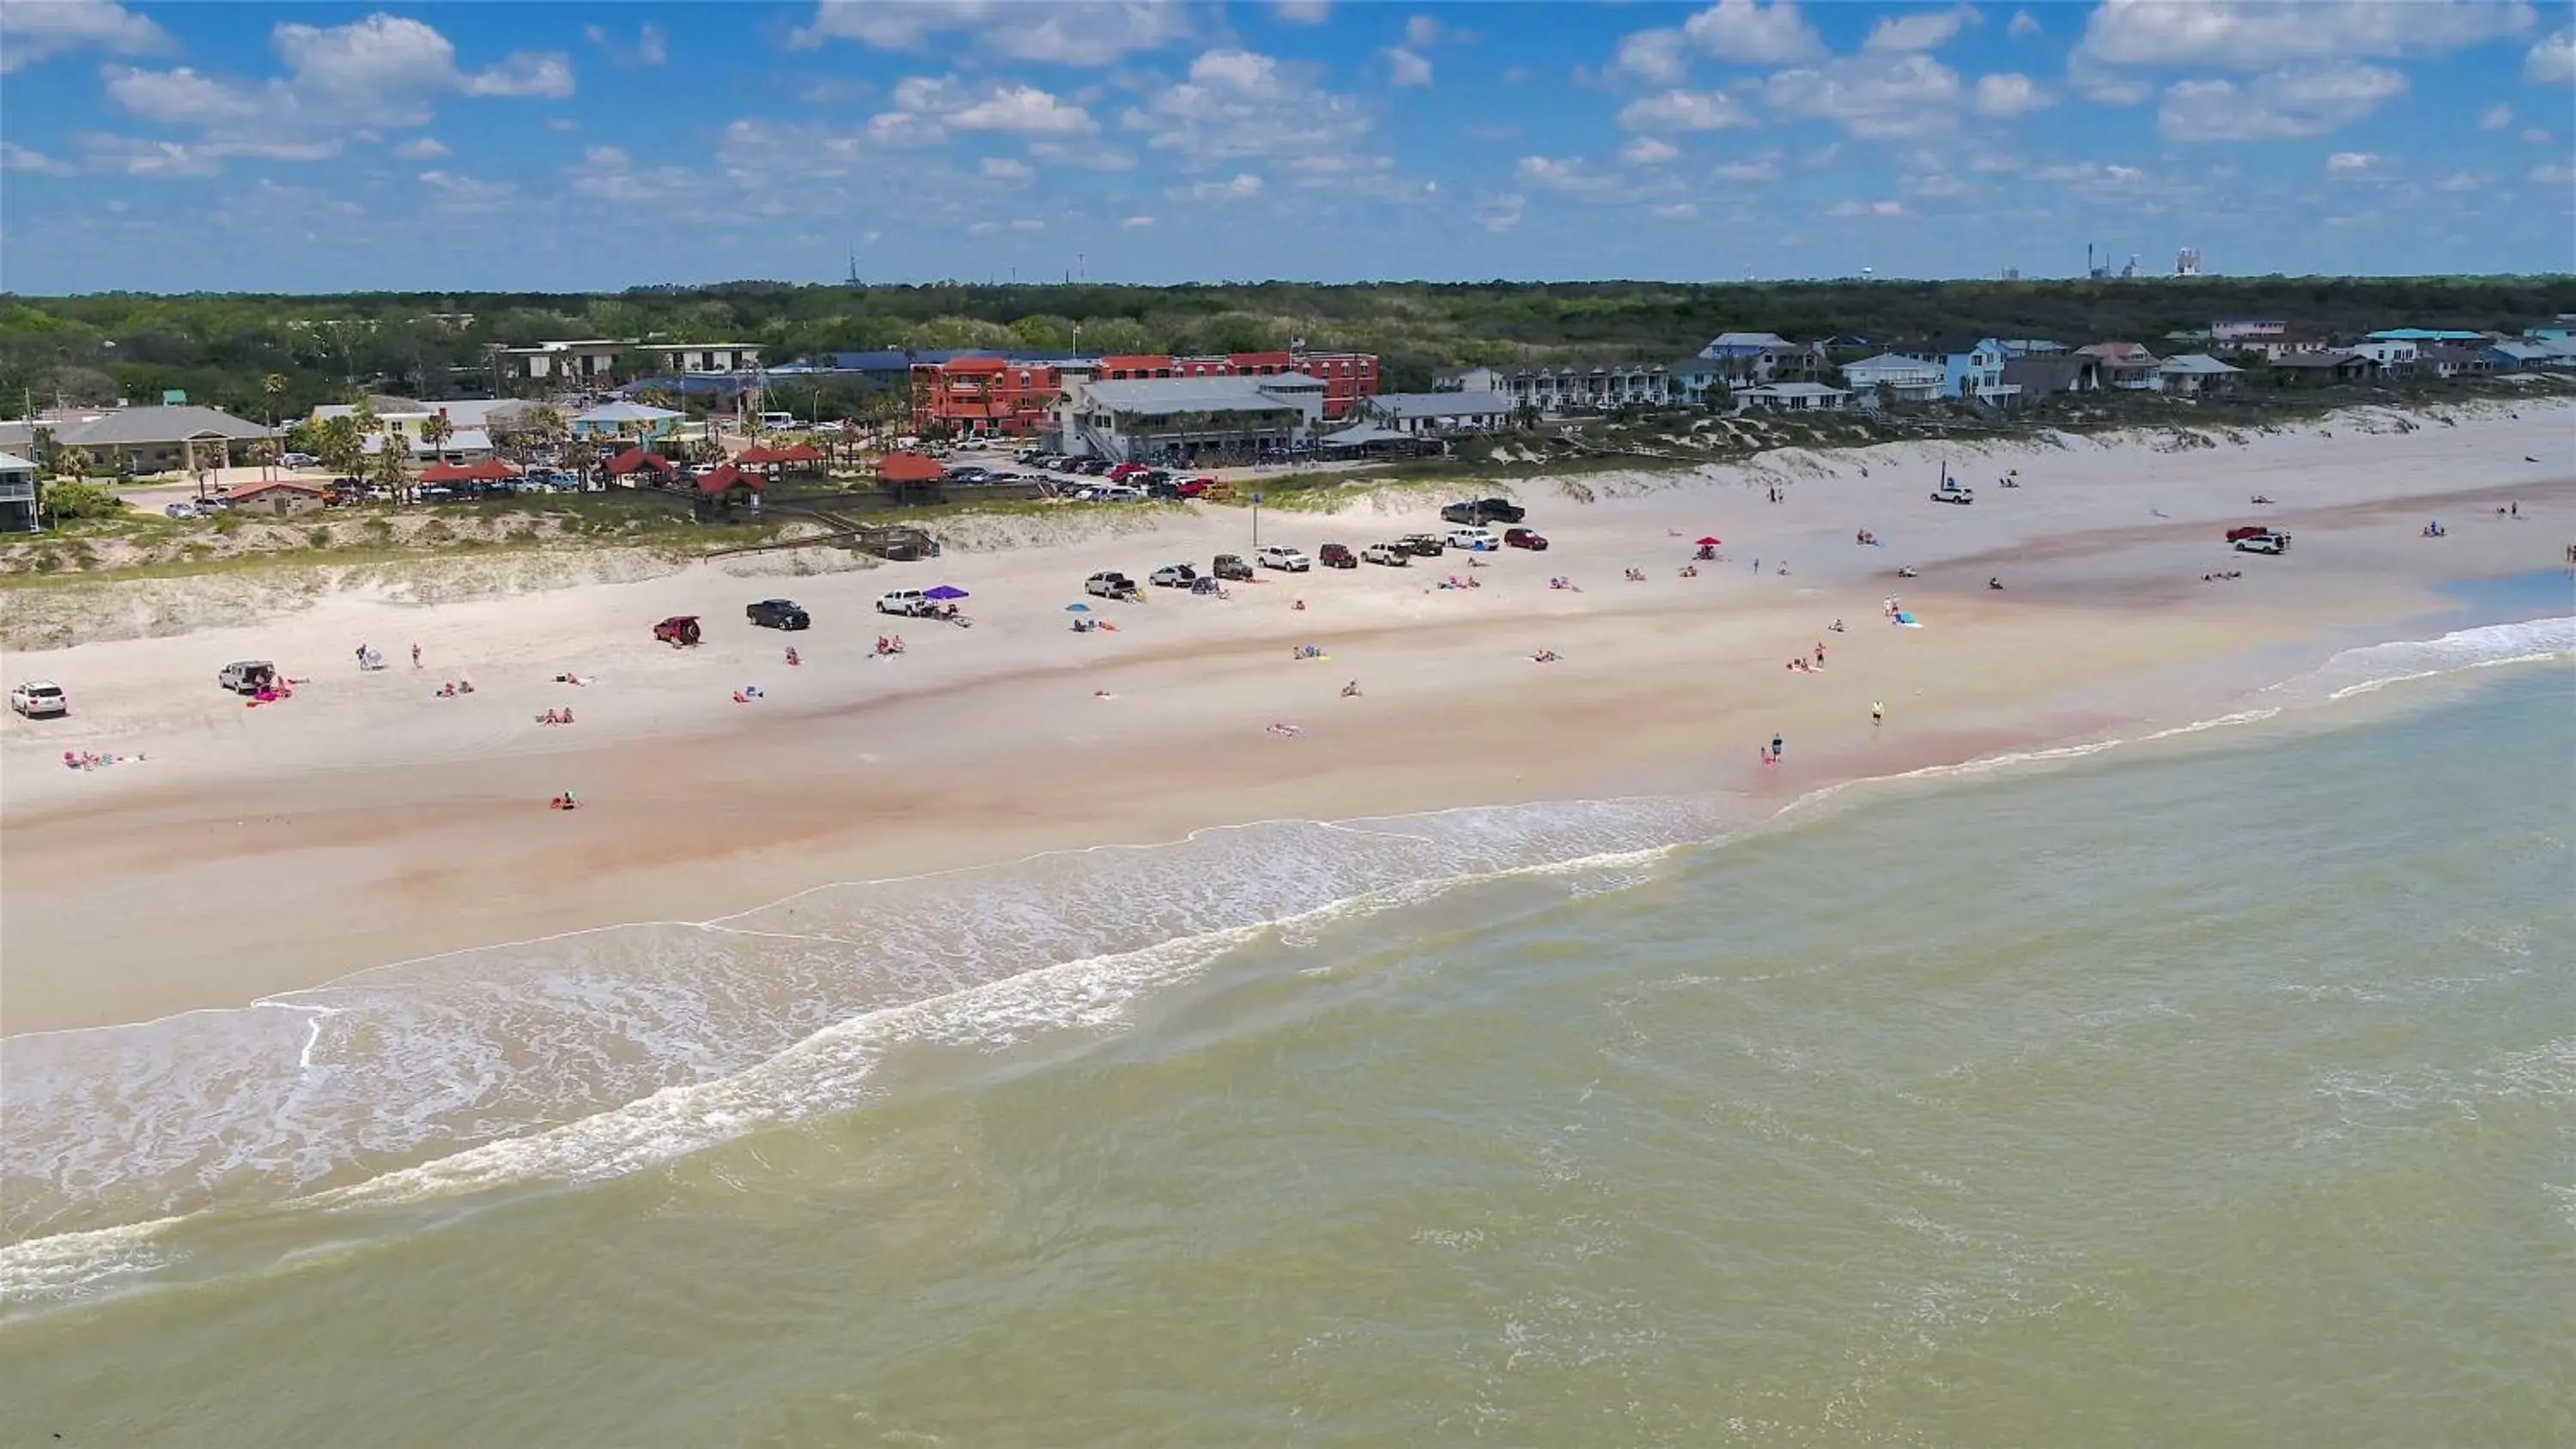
2212	1089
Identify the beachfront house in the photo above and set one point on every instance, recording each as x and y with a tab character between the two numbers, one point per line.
2048	374
2197	374
2238	330
159	439
1975	373
20	495
2127	366
1431	413
471	422
626	420
1695	380
2444	360
1568	388
2319	369
1889	378
1188	420
1759	357
2512	356
1792	397
2395	356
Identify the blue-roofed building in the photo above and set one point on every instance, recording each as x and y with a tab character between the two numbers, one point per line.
2425	334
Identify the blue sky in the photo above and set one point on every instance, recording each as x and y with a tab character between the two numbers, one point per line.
535	146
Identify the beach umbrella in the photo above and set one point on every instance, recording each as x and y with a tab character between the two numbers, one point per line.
1710	542
944	591
1077	608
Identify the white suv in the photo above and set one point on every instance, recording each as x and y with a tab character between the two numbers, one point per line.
1280	556
905	601
39	697
1474	540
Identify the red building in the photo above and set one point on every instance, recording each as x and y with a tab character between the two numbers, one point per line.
994	395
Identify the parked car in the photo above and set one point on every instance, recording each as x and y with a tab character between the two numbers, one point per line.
1093	467
40	699
1952	491
1528	538
827	427
1484	510
2251	530
909	602
1173	576
298	460
248	676
778	614
1230	566
1117	493
1474	540
1110	584
1425	545
1281	556
1125	471
970	474
1337	556
182	511
677	630
1192	487
2272	543
1394	555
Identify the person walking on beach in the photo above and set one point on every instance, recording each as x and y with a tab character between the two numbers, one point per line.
1776	749
1877	713
415	656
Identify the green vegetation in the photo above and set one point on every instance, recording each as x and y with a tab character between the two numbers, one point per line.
278	356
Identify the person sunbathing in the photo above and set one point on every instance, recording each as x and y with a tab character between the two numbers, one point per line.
1690	571
1351	690
793	658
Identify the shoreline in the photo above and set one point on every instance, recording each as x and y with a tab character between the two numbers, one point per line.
280	848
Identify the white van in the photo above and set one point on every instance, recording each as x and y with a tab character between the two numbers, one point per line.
777	420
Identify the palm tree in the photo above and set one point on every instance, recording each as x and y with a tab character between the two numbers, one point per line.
391	470
436	430
548	424
274	386
73	463
343	445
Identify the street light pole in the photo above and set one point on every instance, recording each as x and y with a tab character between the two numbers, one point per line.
1256	523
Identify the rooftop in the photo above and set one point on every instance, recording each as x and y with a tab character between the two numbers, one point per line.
1440	404
12	463
625	412
180	422
2200	363
1204	394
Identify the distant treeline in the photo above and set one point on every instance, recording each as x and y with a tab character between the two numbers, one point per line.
226	349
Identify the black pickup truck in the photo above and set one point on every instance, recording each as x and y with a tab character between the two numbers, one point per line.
778	614
1479	512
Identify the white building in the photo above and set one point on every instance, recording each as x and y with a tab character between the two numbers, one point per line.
1421	413
2196	373
595	358
18	503
1574	387
1793	397
1907	379
1191	420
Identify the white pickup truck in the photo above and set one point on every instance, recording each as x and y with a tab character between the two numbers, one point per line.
1280	556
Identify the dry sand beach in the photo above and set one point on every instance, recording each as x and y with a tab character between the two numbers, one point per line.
366	820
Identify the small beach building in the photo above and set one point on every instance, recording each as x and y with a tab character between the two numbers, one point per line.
1792	397
19	495
1440	412
626	420
1189	420
2197	374
279	498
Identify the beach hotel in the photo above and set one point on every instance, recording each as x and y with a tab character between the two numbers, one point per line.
989	395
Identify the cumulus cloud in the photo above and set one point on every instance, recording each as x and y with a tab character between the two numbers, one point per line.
1238	104
926	108
2281	105
1295	12
1647	151
1865	208
1760	168
2350	163
1919	29
1244	187
421	148
1083	155
2553	60
2495	118
33	32
651	46
14	157
1003	168
2553	175
2024	25
2258	34
1676	211
1141	221
1873	96
1407	68
452	192
1680	110
2009	93
1069	32
384	70
1754	33
1657	57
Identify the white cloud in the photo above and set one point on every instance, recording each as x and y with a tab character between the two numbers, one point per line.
2102	85
2009	93
1424	31
1499	214
2553	175
2460	181
1676	211
14	157
1873	96
2553	60
2089	176
1754	33
421	148
33	32
1295	12
2280	105
1139	221
1679	110
2024	25
383	70
1027	223
1761	168
1024	109
1003	168
1238	104
1567	174
1653	56
1083	155
651	46
1069	32
606	173
2495	118
1940	185
2256	34
1866	208
1919	29
1406	68
2536	135
1647	151
902	130
937	106
466	193
1243	187
2350	163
